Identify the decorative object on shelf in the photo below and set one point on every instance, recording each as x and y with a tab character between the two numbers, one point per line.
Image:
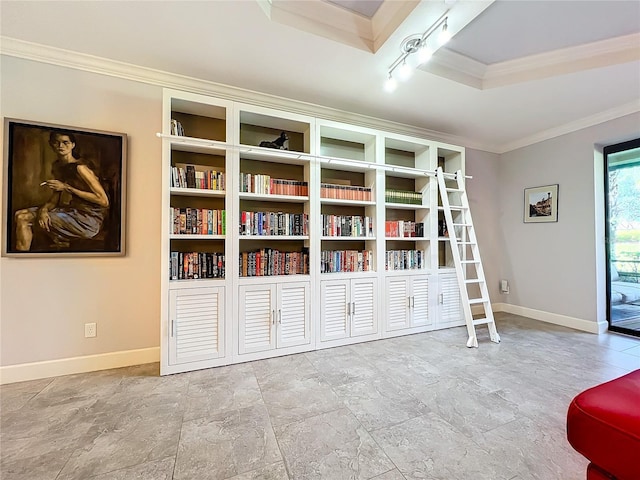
280	143
442	228
422	46
541	204
65	190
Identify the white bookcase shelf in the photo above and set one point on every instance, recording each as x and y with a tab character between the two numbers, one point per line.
243	318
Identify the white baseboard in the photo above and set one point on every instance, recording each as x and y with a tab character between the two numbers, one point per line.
68	366
556	319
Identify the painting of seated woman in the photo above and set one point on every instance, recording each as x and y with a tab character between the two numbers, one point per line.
65	190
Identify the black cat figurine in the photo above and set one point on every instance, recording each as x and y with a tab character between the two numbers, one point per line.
278	143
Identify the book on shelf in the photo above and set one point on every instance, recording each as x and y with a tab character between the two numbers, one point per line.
189	177
405	259
274	223
402	196
342	261
197	221
176	128
346	226
269	262
195	265
345	192
403	229
266	185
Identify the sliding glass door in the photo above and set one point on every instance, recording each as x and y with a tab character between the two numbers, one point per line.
622	198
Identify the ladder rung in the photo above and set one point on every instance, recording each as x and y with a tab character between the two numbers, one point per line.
458	207
470	261
473	301
473	280
462	225
455	190
466	243
482	321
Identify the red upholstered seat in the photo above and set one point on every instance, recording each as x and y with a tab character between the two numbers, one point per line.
603	424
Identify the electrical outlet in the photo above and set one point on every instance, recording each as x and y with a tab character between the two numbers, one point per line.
90	330
504	286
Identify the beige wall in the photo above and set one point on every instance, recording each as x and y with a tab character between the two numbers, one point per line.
44	303
552	266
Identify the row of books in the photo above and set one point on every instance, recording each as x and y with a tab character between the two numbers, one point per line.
176	128
336	261
191	265
347	226
345	192
266	185
198	221
274	223
402	196
268	262
189	177
405	259
403	229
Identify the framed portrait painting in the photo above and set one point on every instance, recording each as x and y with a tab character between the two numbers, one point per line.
541	204
64	190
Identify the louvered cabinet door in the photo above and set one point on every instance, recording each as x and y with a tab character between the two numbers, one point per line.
450	307
293	315
334	321
195	315
257	315
397	303
420	302
364	319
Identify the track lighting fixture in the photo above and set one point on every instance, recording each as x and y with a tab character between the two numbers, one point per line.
421	45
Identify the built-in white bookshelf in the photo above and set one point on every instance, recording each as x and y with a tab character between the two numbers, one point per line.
330	240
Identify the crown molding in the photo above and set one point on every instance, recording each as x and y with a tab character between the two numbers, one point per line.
338	24
586	122
465	70
90	63
604	53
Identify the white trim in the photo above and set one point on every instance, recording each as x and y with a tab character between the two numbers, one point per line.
90	63
67	366
586	122
555	318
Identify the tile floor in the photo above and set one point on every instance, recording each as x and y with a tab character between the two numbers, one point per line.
420	406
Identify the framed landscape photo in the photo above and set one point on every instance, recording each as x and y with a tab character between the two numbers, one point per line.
64	190
541	204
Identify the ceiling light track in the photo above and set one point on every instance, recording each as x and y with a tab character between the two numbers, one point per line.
416	50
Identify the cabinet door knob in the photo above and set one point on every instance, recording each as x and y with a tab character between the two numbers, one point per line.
273	317
280	316
348	309
353	309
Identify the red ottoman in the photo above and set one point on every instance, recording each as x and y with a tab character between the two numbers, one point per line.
603	424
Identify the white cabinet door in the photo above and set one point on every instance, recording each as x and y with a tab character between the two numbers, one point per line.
334	320
293	315
363	307
397	296
257	316
450	307
195	324
420	302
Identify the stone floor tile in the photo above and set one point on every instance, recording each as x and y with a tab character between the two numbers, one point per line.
225	445
275	471
332	445
155	470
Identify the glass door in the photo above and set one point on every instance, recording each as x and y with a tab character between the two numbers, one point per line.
622	198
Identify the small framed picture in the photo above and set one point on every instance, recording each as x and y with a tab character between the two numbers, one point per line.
64	190
541	204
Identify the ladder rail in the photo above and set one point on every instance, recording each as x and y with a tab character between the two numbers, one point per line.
463	227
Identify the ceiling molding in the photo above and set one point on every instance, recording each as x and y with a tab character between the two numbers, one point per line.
336	23
462	69
90	63
586	122
93	64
